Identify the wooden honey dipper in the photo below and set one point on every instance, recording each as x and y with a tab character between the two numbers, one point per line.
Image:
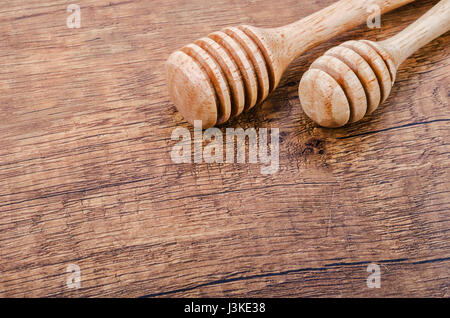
219	76
354	78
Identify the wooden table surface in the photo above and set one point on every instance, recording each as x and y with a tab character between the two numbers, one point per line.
86	175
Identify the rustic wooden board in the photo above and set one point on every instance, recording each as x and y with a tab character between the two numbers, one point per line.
86	176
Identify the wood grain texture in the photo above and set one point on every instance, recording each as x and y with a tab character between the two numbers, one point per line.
86	176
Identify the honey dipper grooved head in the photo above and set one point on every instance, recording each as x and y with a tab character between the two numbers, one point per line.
191	89
323	99
219	76
346	83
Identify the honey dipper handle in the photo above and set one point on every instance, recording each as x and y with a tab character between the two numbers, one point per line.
430	26
329	22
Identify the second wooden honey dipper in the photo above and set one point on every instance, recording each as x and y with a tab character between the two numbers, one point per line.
353	79
230	71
